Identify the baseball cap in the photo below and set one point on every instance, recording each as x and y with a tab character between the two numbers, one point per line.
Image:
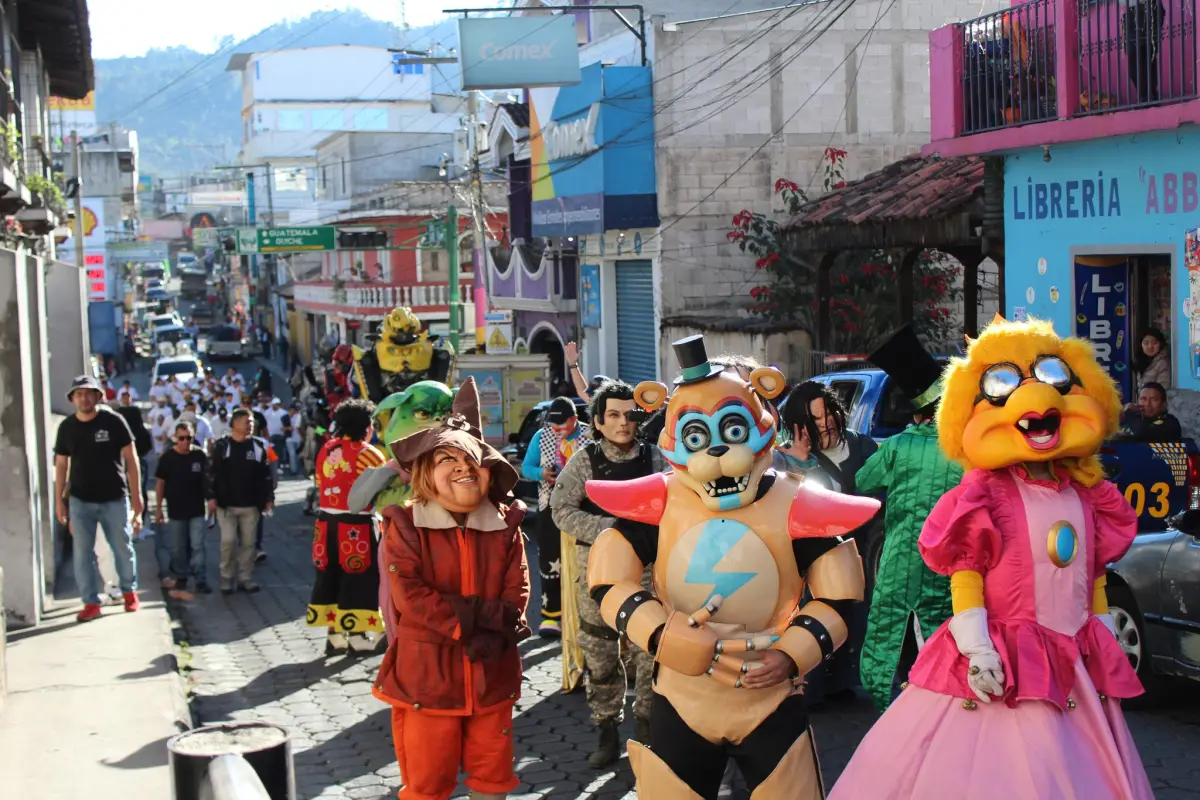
597	380
275	401
561	411
83	382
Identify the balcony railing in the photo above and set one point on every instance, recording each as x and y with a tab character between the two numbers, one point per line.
1049	60
384	298
1009	65
1135	54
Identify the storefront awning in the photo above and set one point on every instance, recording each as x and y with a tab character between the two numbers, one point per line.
914	202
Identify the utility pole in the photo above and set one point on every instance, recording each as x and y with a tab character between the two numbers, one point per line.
477	220
264	287
77	165
455	300
253	278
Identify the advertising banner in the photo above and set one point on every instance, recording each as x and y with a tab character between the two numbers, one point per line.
589	296
518	52
1191	303
93	231
592	153
97	275
1102	314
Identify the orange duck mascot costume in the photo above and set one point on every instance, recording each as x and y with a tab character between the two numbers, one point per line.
459	582
733	545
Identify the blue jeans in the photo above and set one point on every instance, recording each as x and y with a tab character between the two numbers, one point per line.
188	535
113	519
293	451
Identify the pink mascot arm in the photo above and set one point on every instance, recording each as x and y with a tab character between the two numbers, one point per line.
640	500
817	512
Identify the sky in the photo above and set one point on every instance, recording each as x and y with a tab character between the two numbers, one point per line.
131	27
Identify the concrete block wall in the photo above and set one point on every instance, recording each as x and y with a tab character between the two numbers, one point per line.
3	646
759	90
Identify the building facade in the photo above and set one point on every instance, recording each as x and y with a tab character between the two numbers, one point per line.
1100	183
292	100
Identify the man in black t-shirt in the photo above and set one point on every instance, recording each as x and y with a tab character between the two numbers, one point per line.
141	435
94	455
179	480
239	489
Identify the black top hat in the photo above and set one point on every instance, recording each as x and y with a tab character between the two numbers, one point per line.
906	361
693	360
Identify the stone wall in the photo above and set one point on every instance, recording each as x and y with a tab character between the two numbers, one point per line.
1185	405
745	100
790	351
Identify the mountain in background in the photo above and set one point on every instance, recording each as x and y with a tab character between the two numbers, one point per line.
186	108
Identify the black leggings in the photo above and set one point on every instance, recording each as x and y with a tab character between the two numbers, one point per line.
550	564
701	764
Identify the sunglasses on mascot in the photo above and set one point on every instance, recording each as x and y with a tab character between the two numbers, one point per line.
999	381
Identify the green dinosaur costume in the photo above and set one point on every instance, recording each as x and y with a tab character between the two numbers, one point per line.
910	467
420	406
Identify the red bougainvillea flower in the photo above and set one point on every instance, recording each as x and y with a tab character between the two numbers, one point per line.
840	185
735	236
766	261
760	291
784	183
834	154
742	219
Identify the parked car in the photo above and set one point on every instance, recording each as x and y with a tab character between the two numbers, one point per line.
1154	597
518	444
225	341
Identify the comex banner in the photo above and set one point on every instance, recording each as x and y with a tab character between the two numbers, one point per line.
517	52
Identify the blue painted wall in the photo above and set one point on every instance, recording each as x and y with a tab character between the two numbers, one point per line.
1121	192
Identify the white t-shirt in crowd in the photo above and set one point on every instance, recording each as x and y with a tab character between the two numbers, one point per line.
133	393
159	391
275	418
219	427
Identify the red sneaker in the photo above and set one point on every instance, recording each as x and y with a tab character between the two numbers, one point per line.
89	613
131	601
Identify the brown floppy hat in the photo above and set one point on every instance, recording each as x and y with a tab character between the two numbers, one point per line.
461	429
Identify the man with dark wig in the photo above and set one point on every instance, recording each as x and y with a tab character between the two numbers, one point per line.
613	454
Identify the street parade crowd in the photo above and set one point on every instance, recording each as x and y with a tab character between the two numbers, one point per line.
700	543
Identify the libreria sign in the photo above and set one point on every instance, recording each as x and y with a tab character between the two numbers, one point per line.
518	52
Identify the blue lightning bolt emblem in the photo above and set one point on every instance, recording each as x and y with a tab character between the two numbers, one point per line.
716	540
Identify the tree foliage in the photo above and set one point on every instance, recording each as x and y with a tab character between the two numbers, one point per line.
863	283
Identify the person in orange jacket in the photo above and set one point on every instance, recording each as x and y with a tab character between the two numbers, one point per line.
459	582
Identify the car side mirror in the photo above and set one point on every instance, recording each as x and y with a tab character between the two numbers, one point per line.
514	438
1188	522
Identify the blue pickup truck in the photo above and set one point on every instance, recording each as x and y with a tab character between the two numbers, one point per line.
1156	479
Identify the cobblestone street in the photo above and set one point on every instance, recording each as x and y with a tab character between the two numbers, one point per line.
250	657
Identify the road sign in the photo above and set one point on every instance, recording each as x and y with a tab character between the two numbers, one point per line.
204	237
247	240
293	240
499	332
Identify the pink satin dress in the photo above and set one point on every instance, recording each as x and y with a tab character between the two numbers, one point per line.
1058	731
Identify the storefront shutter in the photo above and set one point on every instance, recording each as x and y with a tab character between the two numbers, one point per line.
636	336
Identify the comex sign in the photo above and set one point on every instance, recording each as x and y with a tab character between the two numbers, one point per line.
515	52
574	138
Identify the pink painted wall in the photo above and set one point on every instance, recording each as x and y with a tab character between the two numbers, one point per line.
1093	66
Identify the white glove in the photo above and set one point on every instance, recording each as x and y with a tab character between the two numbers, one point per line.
986	674
1109	623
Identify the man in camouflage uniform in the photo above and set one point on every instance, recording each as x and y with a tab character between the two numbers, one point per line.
613	454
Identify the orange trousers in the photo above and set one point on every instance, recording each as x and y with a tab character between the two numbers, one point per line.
431	749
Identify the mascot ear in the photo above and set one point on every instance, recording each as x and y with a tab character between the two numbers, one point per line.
650	395
768	382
